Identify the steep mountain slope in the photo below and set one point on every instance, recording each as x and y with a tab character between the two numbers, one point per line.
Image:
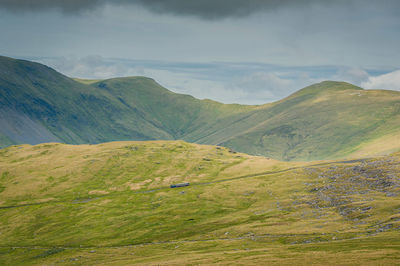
73	112
176	114
325	120
62	109
112	204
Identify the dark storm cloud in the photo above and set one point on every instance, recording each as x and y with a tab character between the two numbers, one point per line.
214	9
206	9
69	6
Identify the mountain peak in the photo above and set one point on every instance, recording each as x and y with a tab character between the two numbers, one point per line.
327	85
341	85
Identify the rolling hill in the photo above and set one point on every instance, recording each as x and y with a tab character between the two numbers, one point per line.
324	121
112	204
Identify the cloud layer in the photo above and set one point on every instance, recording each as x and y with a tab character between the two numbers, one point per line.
69	6
214	9
301	32
206	9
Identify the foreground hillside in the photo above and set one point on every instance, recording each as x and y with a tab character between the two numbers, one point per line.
111	204
327	120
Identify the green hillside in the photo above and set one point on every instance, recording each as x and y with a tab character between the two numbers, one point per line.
323	121
134	108
111	204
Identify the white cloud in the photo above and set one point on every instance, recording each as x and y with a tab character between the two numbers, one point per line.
354	75
389	81
261	87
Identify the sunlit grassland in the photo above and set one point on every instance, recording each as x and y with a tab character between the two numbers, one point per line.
86	81
111	204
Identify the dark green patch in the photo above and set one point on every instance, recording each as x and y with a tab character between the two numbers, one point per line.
49	253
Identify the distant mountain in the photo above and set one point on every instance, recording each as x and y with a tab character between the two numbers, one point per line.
325	120
39	104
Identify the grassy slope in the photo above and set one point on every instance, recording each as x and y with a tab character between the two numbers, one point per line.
326	120
86	81
177	114
74	112
103	203
301	127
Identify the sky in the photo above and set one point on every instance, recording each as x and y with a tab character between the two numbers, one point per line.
233	51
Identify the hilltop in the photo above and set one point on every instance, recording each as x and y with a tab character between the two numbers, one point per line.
112	204
324	121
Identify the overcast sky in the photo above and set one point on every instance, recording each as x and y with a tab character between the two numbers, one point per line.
246	51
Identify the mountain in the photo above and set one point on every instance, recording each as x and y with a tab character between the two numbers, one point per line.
112	204
325	120
48	106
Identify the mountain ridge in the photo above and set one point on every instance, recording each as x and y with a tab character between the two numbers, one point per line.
326	120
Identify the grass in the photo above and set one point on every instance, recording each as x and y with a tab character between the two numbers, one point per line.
87	81
111	204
